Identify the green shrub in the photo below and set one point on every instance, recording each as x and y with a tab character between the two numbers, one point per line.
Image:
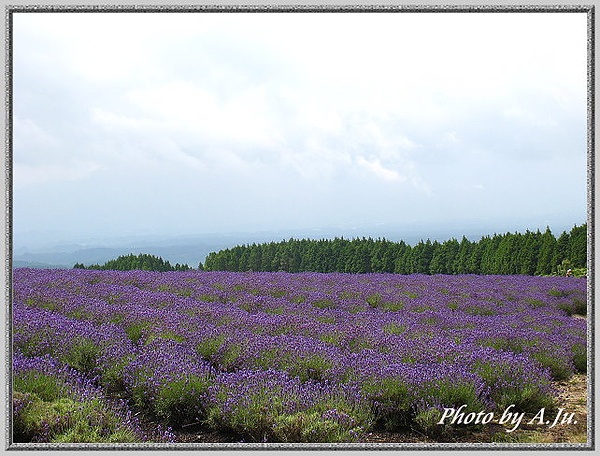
135	331
452	305
535	302
394	328
392	306
263	417
392	400
527	399
428	422
210	346
310	367
313	427
559	293
228	357
323	304
506	390
83	356
181	401
567	307
374	300
580	357
46	387
515	345
331	338
580	306
112	377
558	368
64	420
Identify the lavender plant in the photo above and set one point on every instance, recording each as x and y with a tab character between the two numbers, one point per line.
300	357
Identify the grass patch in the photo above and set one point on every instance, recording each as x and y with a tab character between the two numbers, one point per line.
393	306
559	369
507	388
535	303
44	386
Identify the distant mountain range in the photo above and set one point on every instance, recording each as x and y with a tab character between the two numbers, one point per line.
49	250
190	254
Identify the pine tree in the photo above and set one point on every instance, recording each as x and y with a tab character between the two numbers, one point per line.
546	253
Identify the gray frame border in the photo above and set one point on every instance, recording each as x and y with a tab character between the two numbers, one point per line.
290	8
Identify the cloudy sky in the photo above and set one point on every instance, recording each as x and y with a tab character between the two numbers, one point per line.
191	123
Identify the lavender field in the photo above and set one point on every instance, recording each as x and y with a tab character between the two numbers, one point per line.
279	357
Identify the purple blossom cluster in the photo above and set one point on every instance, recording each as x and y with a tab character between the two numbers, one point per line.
343	352
44	379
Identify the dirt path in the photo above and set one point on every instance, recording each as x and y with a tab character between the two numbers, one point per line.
573	399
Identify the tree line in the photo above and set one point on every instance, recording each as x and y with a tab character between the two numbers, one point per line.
529	253
142	262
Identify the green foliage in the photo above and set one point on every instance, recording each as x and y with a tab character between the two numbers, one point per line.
220	351
63	420
112	378
394	328
451	394
46	387
309	367
515	345
83	356
228	357
527	398
374	300
393	401
510	253
264	417
135	331
209	347
142	262
312	427
559	293
181	401
575	305
428	422
324	304
580	357
579	306
394	306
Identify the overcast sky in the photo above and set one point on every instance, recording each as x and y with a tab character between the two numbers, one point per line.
190	123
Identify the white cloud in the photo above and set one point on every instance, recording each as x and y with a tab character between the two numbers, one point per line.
298	104
182	107
33	142
375	167
26	175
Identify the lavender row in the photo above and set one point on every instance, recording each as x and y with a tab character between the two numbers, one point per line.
381	349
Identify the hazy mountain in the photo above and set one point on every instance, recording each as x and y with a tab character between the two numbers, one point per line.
37	265
52	249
